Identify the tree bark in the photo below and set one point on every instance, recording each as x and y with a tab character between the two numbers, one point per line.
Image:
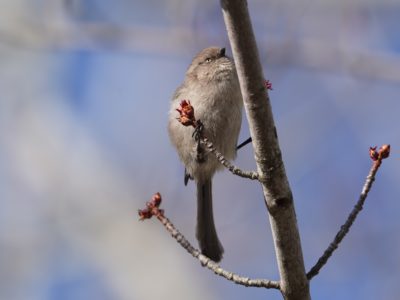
276	189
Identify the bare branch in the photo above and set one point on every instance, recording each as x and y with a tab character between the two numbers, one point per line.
233	169
152	209
210	264
187	118
277	193
377	156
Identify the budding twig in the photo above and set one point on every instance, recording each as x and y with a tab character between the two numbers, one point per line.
377	157
152	209
233	169
187	118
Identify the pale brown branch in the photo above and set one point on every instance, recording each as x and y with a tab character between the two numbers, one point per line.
212	265
152	209
187	118
344	229
270	167
233	169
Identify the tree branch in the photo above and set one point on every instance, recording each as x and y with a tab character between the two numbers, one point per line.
277	193
152	209
233	169
187	118
344	229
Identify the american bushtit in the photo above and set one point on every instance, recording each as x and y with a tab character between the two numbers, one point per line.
212	87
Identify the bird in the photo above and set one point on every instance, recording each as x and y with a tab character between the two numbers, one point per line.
211	85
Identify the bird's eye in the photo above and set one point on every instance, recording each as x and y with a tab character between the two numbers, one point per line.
208	60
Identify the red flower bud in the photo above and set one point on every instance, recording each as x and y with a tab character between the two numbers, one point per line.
185	121
186	114
373	153
268	85
156	199
384	151
144	214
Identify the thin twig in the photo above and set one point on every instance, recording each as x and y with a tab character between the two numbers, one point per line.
187	118
233	169
210	264
152	209
344	229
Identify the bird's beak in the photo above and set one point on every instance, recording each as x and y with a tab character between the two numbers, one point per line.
222	52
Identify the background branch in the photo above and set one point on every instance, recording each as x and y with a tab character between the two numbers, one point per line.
152	209
310	53
344	229
277	193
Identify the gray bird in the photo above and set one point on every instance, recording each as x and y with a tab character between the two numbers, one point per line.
212	87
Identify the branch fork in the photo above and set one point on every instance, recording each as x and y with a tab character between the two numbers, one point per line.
152	209
187	118
376	156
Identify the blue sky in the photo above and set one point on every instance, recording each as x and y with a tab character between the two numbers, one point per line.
83	145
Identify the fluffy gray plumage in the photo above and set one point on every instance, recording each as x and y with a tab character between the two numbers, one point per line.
212	87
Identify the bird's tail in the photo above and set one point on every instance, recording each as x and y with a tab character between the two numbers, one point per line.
205	231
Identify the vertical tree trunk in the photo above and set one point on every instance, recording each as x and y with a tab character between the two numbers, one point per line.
277	193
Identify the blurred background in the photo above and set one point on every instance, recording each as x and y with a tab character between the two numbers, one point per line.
85	89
